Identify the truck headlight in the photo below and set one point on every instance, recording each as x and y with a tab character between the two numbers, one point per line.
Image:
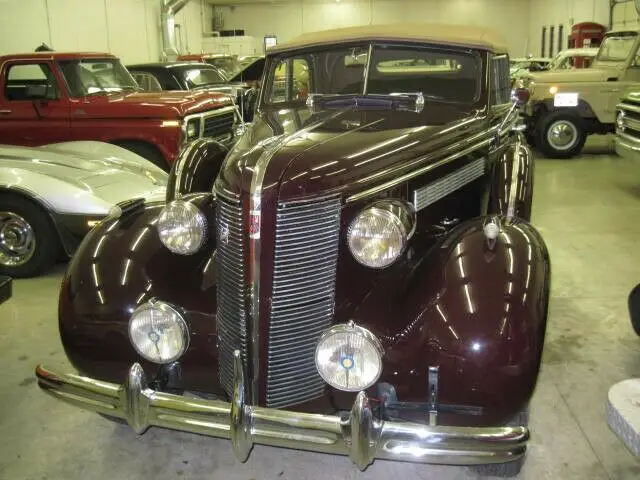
158	332
193	129
182	227
379	234
349	357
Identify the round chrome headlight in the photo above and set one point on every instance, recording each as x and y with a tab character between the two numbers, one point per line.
182	227
158	332
379	234
349	357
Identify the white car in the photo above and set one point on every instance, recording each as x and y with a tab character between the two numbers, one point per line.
51	196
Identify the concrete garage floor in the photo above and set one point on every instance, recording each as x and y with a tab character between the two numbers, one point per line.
588	211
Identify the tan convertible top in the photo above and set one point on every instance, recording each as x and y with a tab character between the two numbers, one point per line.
454	35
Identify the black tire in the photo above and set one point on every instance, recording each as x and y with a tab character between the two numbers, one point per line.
508	469
634	308
46	247
146	151
572	122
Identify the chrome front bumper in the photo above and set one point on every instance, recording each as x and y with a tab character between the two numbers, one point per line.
627	146
357	433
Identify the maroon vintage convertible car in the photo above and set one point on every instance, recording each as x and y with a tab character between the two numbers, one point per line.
357	276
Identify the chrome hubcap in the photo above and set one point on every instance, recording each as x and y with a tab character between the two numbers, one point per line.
17	240
562	135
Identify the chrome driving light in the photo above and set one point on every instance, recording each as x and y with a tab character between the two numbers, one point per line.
182	227
620	122
349	357
158	332
379	234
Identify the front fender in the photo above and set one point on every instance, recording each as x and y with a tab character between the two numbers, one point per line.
477	310
196	168
122	264
512	186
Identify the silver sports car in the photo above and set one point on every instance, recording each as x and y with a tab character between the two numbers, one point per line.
51	196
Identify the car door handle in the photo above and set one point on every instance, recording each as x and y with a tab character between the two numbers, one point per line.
5	112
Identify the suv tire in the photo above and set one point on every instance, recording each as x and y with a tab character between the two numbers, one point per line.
560	134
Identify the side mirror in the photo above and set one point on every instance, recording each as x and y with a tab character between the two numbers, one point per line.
520	96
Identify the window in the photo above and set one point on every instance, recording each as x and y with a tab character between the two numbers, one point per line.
543	48
560	37
33	81
96	76
501	81
616	48
200	77
551	40
146	81
290	81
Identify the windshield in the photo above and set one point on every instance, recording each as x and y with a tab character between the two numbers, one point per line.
440	75
228	64
616	48
96	75
199	77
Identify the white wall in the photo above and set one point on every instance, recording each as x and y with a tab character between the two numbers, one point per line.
562	12
625	16
127	28
290	18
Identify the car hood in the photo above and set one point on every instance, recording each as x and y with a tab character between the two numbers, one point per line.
574	76
113	177
341	150
165	104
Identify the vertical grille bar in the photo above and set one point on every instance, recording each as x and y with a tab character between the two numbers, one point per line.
231	316
306	251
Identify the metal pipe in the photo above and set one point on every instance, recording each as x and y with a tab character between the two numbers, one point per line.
168	11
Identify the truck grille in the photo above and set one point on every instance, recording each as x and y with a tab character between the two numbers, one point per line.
631	120
306	251
231	316
218	125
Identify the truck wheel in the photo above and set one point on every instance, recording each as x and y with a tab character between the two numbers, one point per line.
560	135
509	469
29	243
146	151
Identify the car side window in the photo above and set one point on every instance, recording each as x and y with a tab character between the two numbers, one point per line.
147	81
291	81
500	80
30	81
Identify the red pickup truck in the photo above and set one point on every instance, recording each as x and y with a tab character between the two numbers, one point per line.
56	97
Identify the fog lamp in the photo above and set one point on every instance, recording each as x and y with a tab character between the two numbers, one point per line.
182	227
158	332
620	120
349	357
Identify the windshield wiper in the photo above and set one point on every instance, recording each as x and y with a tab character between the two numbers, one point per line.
411	102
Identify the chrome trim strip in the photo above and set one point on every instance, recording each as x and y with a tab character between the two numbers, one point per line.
415	173
628	106
365	83
357	433
438	189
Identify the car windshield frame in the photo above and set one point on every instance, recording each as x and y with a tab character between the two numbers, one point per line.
78	79
368	51
633	36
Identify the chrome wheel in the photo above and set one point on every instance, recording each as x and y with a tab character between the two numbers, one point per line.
17	240
562	135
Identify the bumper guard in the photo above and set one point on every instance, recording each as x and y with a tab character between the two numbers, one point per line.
356	433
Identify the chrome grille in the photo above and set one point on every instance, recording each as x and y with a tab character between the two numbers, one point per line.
231	317
631	120
218	125
431	193
306	251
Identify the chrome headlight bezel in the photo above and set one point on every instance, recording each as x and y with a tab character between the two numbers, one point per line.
192	129
401	215
197	217
350	328
180	322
